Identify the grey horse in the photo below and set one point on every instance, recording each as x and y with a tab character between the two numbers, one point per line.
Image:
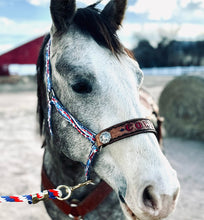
98	83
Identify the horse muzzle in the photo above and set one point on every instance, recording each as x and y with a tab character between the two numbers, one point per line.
152	202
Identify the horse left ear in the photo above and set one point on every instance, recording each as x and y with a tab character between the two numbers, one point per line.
62	12
114	11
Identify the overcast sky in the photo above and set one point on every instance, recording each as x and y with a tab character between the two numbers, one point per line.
24	20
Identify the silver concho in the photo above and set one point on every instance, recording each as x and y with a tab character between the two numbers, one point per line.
105	137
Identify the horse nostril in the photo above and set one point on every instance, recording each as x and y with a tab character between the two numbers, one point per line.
157	203
121	198
149	199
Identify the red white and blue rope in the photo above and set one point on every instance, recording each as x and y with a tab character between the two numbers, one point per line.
52	194
52	100
76	124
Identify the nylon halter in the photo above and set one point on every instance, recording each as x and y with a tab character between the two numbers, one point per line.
53	101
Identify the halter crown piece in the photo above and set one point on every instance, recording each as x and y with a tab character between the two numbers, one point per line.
102	139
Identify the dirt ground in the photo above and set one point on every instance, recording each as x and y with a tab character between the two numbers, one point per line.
21	155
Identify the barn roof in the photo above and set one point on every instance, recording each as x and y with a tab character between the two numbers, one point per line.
24	54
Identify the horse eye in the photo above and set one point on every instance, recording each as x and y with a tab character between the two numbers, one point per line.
82	87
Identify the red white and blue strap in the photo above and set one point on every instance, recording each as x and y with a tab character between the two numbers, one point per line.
52	100
94	151
74	122
49	84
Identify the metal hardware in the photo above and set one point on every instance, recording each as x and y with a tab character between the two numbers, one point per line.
74	217
105	137
70	189
36	199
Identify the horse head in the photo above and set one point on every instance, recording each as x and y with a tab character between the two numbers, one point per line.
96	80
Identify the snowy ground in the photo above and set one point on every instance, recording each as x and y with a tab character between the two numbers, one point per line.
21	155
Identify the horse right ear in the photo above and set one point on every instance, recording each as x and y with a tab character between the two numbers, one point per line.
114	11
62	12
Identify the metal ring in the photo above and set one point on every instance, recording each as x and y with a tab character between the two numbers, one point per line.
68	191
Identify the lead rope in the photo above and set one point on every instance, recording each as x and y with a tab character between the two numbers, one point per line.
32	198
46	194
52	100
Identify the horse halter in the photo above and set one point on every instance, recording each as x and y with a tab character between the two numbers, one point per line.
103	138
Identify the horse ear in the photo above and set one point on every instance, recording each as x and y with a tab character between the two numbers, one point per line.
114	11
62	12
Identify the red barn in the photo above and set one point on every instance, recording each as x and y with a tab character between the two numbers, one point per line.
24	54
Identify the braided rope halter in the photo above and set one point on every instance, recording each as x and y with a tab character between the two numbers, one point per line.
53	101
105	137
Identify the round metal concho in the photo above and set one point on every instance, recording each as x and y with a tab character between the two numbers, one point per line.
105	137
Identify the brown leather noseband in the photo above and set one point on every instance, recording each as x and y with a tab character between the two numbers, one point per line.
124	130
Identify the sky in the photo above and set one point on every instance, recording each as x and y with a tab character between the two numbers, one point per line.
24	20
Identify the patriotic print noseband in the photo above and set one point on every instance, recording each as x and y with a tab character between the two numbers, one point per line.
103	138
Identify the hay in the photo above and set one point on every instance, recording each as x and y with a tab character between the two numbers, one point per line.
182	105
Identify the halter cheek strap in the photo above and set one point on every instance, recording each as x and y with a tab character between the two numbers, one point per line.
53	101
105	137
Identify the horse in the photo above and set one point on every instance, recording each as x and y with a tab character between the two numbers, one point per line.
92	121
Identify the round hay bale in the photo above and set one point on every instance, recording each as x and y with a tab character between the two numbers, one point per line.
182	105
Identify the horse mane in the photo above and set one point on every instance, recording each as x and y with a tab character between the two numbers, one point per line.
41	90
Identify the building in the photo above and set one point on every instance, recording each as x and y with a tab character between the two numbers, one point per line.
24	54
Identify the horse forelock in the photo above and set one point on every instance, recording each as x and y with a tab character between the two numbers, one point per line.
90	21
